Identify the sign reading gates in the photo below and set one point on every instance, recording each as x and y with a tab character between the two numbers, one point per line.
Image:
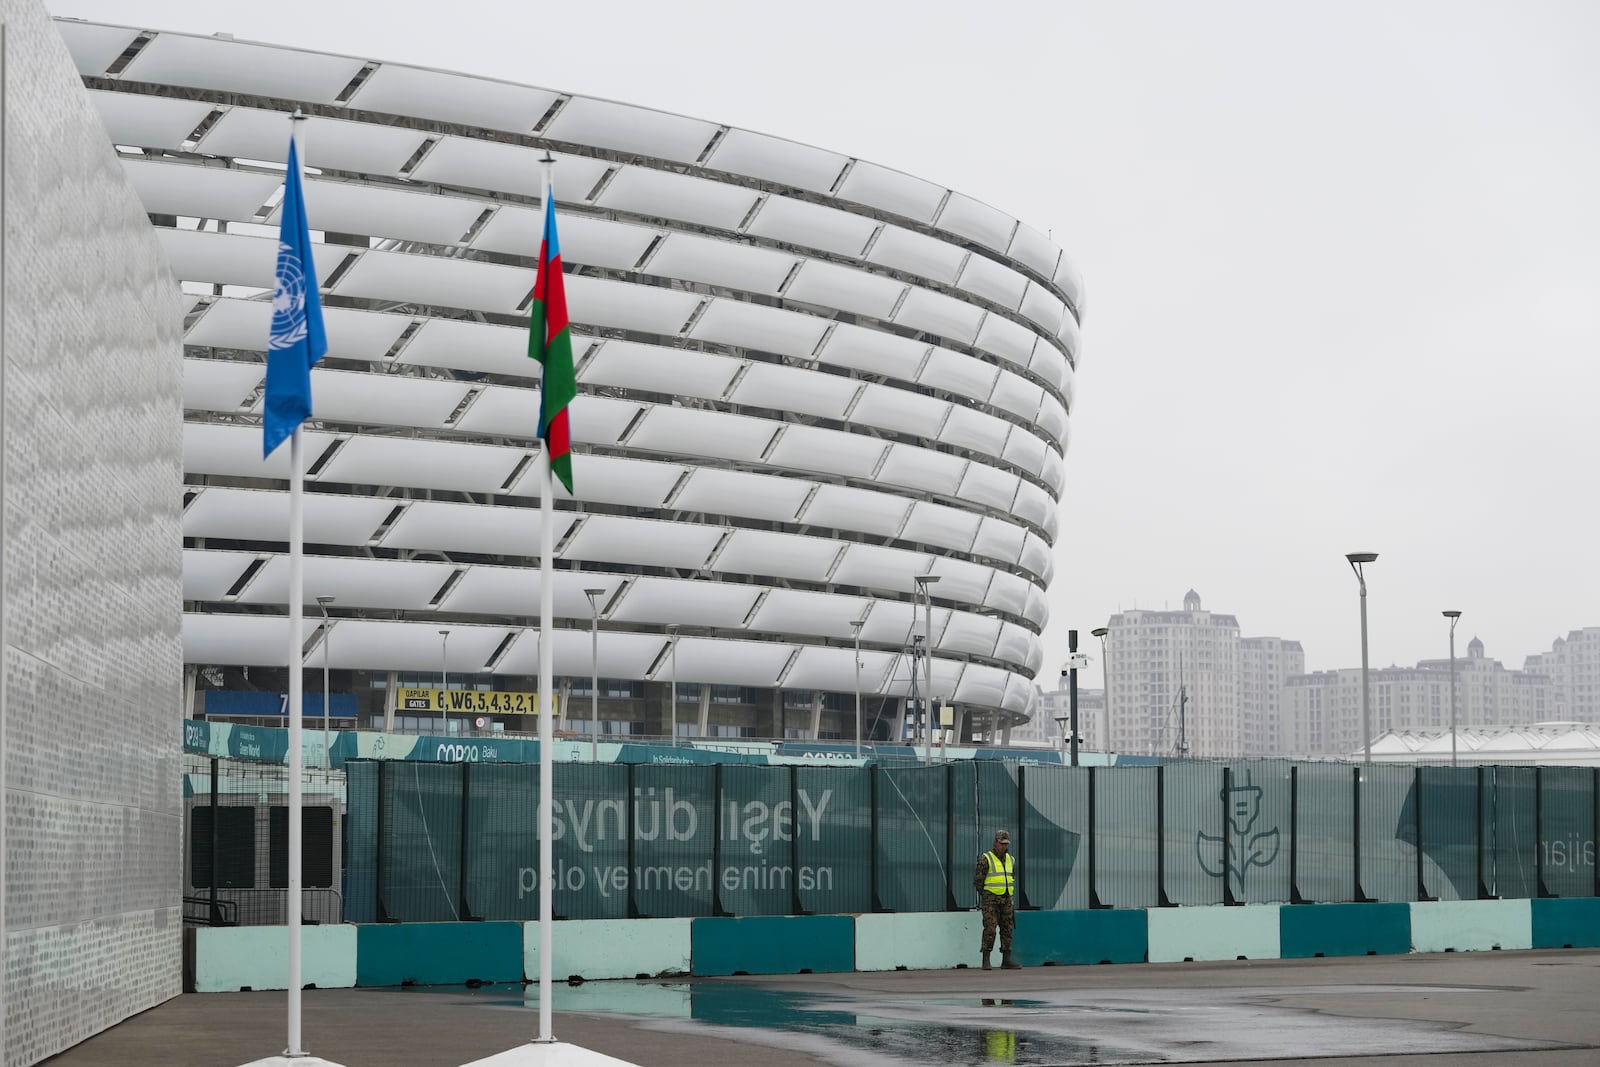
466	702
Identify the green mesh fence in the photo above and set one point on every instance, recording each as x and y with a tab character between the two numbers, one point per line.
1194	849
675	839
1388	872
1567	830
1513	830
360	876
1324	841
912	851
440	842
1448	827
419	842
833	839
1055	827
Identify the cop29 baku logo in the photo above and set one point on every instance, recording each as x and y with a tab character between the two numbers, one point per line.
288	301
1244	848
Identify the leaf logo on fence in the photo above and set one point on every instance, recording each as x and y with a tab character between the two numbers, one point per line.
1243	848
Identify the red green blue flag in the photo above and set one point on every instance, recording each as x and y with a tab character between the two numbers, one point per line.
550	342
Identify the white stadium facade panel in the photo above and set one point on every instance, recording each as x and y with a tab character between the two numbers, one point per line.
804	380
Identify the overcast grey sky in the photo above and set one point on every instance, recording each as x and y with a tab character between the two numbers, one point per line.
1343	262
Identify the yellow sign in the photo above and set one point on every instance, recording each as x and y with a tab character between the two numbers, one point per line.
467	702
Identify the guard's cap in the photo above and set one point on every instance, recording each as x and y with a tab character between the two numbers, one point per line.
1002	835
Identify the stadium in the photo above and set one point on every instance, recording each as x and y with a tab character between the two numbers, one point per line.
809	387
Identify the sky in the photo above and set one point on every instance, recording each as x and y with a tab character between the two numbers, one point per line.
1342	263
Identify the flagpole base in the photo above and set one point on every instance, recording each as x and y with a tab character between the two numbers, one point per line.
292	1061
547	1054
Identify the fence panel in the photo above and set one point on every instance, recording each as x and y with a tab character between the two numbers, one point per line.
1448	801
912	855
1192	845
675	821
1388	870
361	841
1509	856
833	839
1566	807
1125	837
419	842
1054	871
757	820
1325	842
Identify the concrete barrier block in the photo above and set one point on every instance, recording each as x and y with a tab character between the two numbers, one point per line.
230	958
1068	937
1307	930
1471	925
1567	923
773	944
391	954
611	948
918	941
1214	932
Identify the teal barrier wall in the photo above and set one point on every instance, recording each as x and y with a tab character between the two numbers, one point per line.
1179	935
1069	937
611	948
915	942
231	958
1566	923
775	945
1308	930
1471	925
438	953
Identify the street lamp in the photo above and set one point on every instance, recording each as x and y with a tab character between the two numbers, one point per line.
444	677
1454	617
594	671
1356	560
923	581
855	628
1105	697
327	636
672	633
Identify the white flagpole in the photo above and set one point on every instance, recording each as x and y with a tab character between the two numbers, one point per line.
546	689
296	683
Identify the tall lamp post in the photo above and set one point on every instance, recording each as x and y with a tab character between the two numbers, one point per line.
923	581
327	636
1105	696
1454	617
1357	560
855	629
444	678
672	633
594	671
1072	689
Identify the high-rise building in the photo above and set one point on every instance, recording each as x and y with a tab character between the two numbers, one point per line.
1051	724
804	380
1324	707
1265	664
1174	682
1573	667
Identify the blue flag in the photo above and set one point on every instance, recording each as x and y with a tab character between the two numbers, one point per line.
297	339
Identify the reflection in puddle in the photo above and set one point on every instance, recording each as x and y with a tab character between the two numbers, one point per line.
965	1033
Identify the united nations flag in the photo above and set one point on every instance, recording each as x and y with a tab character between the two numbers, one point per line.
297	340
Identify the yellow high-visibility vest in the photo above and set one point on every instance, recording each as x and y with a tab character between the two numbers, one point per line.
1000	881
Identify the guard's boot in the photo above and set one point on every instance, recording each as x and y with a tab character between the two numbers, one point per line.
1007	963
986	964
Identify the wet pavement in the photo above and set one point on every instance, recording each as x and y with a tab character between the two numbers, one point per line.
1529	1009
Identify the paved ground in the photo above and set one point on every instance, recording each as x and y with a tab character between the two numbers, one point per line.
1524	1009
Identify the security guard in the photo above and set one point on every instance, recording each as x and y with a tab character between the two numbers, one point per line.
995	879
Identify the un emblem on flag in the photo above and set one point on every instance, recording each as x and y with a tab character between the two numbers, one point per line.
288	301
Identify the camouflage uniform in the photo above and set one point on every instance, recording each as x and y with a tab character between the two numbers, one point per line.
999	910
